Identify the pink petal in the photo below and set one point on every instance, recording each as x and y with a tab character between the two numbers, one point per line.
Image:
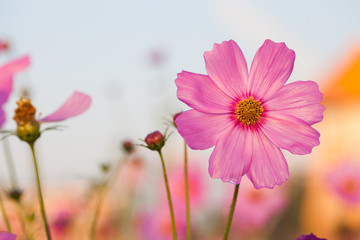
289	133
270	69
15	66
7	236
2	117
201	130
75	105
300	99
200	92
268	166
231	157
227	67
6	85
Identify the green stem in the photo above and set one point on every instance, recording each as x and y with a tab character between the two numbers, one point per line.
168	196
187	198
10	164
6	219
23	220
231	213
98	206
101	196
42	207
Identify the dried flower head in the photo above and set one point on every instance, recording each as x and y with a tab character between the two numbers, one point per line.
28	128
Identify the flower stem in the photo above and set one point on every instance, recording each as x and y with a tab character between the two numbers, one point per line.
98	206
22	216
231	213
187	199
42	207
169	197
101	196
5	217
10	164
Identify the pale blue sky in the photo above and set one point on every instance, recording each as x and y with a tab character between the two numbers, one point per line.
102	48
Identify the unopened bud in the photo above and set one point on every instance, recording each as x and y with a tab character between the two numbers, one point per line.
128	146
175	116
155	141
15	194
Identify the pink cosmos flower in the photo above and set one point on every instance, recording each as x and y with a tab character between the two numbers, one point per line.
7	236
249	116
7	73
344	181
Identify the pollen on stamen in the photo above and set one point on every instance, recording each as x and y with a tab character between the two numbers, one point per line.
248	111
25	112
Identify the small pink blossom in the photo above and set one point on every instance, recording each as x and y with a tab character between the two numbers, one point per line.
7	236
249	115
344	181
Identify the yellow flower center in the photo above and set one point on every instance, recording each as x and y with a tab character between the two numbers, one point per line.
249	111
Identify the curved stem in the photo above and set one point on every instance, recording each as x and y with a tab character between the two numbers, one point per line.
187	198
5	217
42	207
169	197
103	191
231	213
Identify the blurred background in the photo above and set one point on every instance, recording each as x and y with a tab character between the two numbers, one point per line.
126	55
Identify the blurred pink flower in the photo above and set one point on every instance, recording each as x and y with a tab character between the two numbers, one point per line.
7	236
157	224
4	45
196	188
7	73
309	237
257	207
249	117
344	181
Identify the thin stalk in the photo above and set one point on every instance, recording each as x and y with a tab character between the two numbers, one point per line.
42	207
169	197
101	196
187	198
231	213
98	206
10	164
5	217
22	215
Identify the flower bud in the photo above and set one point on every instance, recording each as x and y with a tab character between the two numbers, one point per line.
175	116
155	141
15	194
128	146
28	128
